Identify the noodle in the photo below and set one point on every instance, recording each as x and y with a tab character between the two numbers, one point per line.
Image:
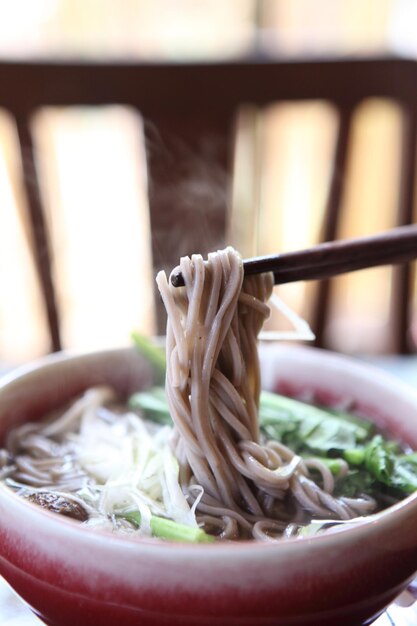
213	388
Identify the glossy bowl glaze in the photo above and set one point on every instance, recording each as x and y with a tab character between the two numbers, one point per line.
71	575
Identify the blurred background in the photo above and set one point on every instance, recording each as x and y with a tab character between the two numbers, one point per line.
92	164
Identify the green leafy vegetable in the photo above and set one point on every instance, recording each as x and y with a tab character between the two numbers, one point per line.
380	465
354	419
406	472
304	427
396	470
380	459
357	481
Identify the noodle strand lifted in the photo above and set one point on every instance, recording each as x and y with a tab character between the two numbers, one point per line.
213	387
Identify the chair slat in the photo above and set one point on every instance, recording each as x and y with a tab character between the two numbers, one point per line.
320	313
401	289
40	240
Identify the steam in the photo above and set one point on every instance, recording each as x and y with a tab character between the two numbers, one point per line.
188	193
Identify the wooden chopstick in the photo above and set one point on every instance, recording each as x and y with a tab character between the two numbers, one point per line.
398	245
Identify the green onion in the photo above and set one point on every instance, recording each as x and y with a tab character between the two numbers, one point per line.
153	404
334	465
354	456
173	531
152	353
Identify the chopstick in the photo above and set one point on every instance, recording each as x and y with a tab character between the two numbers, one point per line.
398	245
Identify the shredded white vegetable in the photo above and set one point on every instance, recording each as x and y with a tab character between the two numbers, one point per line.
134	468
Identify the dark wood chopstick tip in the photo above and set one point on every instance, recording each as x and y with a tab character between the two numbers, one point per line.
177	280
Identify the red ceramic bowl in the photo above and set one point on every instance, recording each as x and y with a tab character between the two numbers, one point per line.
76	576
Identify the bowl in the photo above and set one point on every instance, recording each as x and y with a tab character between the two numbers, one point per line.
69	574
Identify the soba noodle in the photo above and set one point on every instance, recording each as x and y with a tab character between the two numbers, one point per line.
213	389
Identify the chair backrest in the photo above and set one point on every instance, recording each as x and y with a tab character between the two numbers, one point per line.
199	101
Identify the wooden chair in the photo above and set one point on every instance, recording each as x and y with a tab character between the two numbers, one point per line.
198	102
